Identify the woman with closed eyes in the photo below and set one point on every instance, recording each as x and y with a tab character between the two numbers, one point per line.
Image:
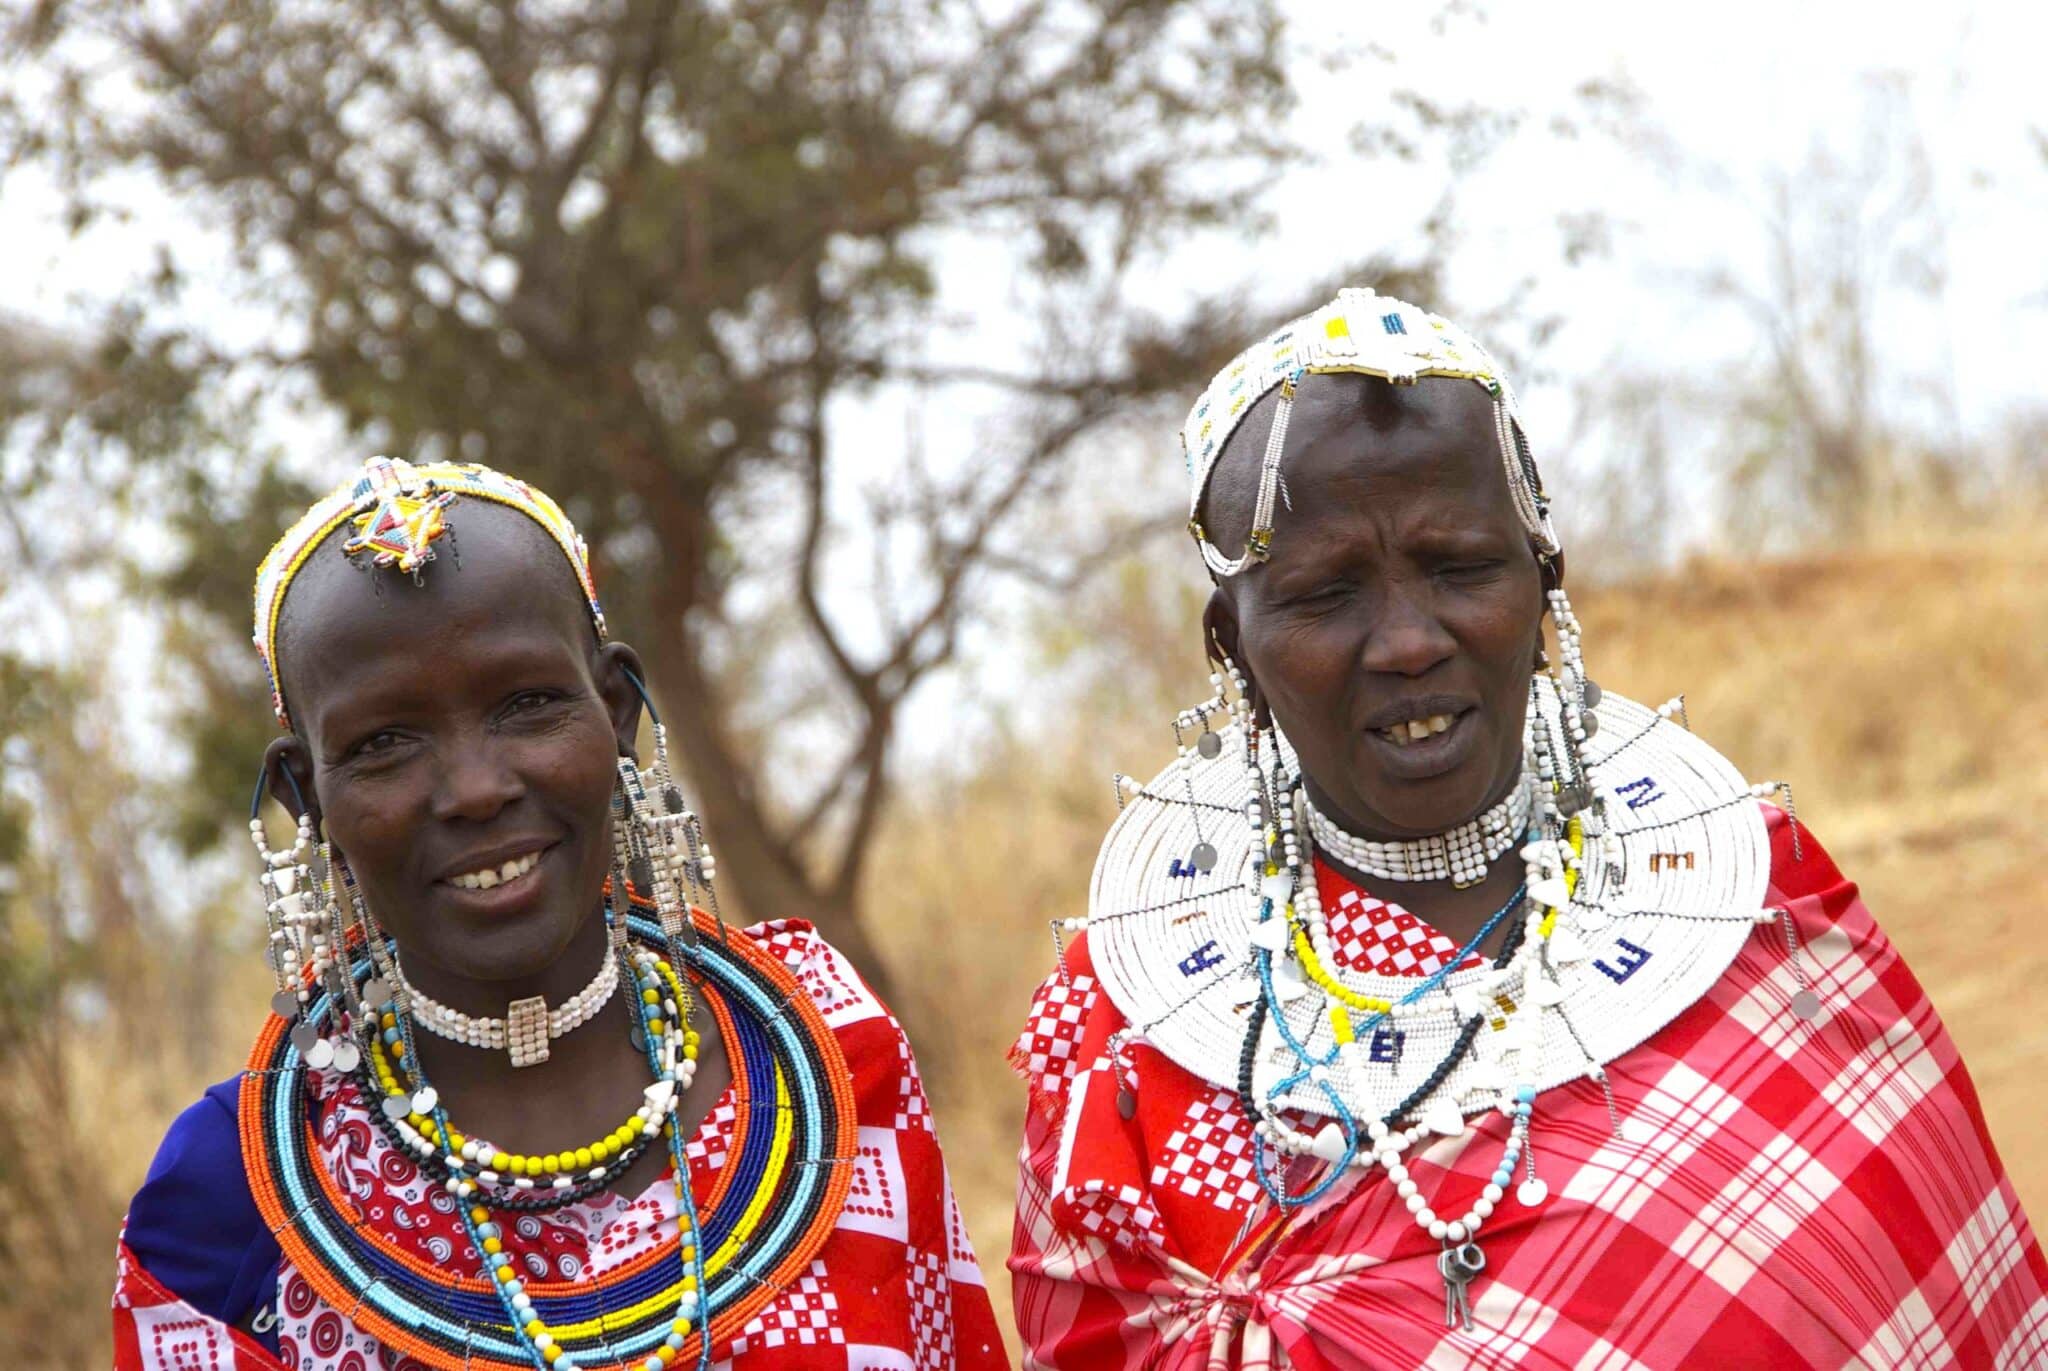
1434	1008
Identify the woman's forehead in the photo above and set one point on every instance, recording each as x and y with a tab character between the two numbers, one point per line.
1354	439
501	579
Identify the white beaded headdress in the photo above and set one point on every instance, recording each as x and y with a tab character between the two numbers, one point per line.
1366	334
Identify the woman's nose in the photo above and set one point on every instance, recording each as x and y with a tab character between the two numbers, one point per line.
1407	638
475	783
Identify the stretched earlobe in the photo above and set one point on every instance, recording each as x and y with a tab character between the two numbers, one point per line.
288	777
1220	639
621	684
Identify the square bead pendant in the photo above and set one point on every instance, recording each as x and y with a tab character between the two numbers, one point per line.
526	1030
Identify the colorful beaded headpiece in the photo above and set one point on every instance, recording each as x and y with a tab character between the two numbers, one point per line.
1369	335
398	512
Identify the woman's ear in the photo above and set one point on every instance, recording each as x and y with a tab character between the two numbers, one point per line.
288	775
617	668
1220	634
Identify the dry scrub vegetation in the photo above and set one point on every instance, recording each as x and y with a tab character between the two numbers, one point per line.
1899	688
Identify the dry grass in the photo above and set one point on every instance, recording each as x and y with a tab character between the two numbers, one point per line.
1900	691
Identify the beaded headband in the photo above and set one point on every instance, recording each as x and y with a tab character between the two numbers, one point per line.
397	510
1366	334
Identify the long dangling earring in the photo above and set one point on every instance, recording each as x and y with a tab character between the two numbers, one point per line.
669	837
286	882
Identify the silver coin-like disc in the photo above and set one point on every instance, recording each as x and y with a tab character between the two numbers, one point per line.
304	1035
320	1055
1209	745
284	1004
1205	857
397	1106
376	993
1806	1005
424	1099
347	1055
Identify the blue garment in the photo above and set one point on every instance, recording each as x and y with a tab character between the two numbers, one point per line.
194	1225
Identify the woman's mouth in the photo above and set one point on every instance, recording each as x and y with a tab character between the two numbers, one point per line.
486	878
1425	746
1418	730
498	887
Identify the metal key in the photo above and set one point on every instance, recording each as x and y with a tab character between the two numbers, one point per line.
1458	1265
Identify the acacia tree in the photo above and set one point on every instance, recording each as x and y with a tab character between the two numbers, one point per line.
638	251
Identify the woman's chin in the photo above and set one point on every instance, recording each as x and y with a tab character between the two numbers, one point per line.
1432	804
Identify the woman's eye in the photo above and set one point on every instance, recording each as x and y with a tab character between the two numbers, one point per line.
529	700
1327	593
376	743
1469	571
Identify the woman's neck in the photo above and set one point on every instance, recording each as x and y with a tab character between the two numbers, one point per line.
1456	912
578	965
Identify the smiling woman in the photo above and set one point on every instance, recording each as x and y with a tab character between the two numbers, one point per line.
484	913
1434	1008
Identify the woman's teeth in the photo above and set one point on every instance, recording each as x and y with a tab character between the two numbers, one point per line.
1404	734
495	876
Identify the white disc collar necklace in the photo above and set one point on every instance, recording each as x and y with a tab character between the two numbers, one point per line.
1671	879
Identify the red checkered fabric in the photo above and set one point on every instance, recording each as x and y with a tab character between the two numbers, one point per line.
895	1286
1369	935
1783	1193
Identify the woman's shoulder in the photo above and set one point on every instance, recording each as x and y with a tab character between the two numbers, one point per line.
828	976
194	1224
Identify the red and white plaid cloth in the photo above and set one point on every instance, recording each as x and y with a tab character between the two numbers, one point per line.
1785	1194
896	1287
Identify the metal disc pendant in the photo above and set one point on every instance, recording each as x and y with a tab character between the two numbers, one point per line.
304	1035
639	1037
1590	722
1126	1103
424	1099
1532	1193
376	992
396	1107
1592	694
1806	1005
347	1056
320	1055
1210	746
1205	857
284	1004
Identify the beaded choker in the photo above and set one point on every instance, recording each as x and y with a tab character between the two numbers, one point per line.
528	1026
1462	855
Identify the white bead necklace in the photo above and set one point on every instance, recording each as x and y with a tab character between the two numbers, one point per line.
528	1025
1461	855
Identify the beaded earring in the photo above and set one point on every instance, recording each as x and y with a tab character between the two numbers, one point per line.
307	943
294	936
668	838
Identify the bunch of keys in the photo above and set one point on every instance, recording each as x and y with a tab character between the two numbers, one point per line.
1458	1265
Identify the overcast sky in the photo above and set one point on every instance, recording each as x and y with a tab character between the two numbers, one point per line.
1734	94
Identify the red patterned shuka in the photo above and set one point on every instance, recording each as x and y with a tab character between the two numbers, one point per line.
1782	1193
895	1287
